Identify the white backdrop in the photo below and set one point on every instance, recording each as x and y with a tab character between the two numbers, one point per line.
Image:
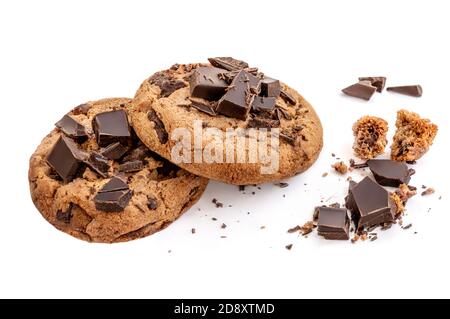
55	55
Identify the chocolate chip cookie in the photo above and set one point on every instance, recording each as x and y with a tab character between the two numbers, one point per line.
227	95
92	178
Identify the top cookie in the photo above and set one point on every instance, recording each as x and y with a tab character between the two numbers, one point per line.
227	121
93	179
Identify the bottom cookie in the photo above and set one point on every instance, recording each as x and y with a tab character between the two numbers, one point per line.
117	192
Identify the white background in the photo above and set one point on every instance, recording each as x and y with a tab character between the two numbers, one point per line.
55	55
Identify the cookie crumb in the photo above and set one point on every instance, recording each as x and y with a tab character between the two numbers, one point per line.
428	191
413	136
340	167
325	174
307	228
370	136
289	247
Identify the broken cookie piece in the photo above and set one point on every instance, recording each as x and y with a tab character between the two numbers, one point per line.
370	136
413	136
340	167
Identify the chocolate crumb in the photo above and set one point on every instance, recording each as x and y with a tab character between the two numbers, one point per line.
217	203
193	230
262	227
281	184
223	226
374	238
223	236
214	218
407	226
241	188
294	229
325	174
289	247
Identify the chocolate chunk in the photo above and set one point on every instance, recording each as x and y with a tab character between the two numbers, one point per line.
261	122
137	154
230	75
370	204
287	138
389	173
333	223
111	127
411	90
228	63
239	97
204	107
98	163
205	83
64	216
265	104
115	201
376	81
65	158
114	151
270	87
160	129
113	196
288	98
133	166
283	113
72	128
362	90
81	109
166	82
152	203
114	184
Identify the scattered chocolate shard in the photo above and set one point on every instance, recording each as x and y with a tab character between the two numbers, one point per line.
261	122
270	87
160	129
166	82
114	184
204	107
114	151
113	196
288	98
72	128
289	247
81	109
263	104
389	173
362	90
98	163
228	63
66	158
411	90
370	204
111	127
376	81
230	75
137	154
281	184
333	223
294	229
205	83
133	166
287	138
282	113
239	97
428	191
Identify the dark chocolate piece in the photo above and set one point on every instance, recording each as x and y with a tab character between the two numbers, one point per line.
270	87
288	98
113	196
203	107
72	128
370	204
114	184
205	83
389	173
411	90
166	82
230	75
228	63
265	104
283	113
115	201
98	163
152	204
160	129
133	166
81	109
137	154
362	90
333	223
64	216
239	97
65	158
111	127
376	81
114	151
287	138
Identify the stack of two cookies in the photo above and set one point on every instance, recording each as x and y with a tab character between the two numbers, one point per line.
118	169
